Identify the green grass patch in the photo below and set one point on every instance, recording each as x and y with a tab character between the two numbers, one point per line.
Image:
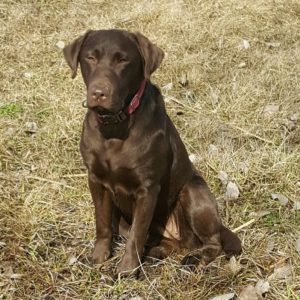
272	219
10	110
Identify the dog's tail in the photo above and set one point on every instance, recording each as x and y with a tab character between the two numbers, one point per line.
231	244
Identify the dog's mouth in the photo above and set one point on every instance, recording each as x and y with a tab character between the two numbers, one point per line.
112	109
102	110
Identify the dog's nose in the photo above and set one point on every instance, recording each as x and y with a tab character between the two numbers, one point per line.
99	95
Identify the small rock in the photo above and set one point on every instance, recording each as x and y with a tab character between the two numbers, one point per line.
194	158
214	95
60	45
297	244
270	110
294	117
262	287
290	125
244	45
168	99
220	43
212	150
232	191
223	176
296	205
281	198
16	276
168	86
270	245
242	65
190	95
28	75
248	293
72	260
30	127
183	81
243	167
228	296
10	131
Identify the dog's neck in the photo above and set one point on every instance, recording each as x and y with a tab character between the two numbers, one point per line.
116	131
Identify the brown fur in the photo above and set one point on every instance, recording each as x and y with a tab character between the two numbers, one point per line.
142	182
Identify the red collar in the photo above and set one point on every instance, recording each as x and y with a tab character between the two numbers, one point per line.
125	112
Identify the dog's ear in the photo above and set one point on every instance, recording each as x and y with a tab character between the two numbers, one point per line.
71	52
151	54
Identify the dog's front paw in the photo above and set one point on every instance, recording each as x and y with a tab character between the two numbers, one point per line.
100	253
127	268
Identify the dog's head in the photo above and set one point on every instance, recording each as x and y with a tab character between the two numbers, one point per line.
113	64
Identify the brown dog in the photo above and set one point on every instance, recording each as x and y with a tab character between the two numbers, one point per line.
142	182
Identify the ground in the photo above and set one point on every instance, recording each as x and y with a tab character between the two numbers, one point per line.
231	84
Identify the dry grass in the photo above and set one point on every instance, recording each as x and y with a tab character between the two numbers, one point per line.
46	214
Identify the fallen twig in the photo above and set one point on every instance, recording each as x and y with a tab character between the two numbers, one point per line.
244	225
250	134
50	181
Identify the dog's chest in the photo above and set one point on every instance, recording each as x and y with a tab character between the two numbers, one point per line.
114	164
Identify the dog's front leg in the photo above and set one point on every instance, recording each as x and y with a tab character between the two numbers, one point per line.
103	216
146	200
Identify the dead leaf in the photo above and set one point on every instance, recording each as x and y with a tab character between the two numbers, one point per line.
10	131
16	276
232	191
244	167
167	87
270	110
272	44
248	293
212	150
294	117
262	287
281	272
233	266
223	176
259	214
270	245
228	296
281	198
183	81
290	125
214	96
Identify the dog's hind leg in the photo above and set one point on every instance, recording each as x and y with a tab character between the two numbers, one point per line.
201	213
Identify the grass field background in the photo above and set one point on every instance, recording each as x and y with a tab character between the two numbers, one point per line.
230	79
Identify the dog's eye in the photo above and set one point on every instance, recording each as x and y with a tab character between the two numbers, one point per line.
122	60
91	58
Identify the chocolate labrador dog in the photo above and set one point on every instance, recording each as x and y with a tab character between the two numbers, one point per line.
142	182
